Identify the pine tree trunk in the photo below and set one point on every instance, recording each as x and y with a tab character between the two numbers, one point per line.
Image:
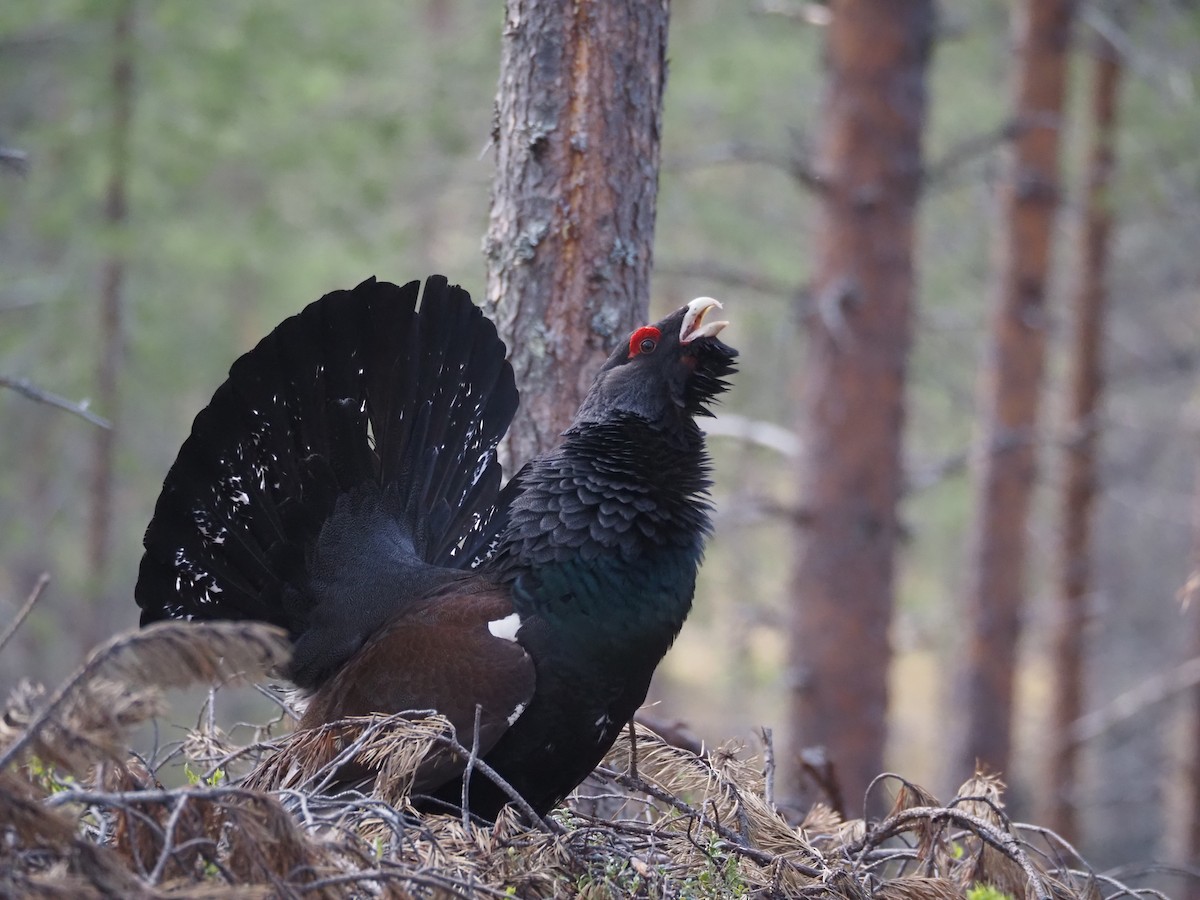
1079	473
111	338
1191	764
1004	468
852	408
578	118
1189	759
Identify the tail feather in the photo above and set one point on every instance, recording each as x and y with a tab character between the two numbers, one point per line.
358	402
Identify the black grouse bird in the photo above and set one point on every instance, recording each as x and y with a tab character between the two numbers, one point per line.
343	484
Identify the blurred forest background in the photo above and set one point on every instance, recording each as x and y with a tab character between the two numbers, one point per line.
277	151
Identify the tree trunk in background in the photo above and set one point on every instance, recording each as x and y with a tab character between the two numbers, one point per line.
1079	471
438	15
578	119
852	408
111	339
1190	756
1004	467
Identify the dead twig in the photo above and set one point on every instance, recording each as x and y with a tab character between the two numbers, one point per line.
168	847
26	388
166	653
14	160
472	759
816	14
1125	706
768	742
817	765
633	772
1004	841
969	149
737	843
677	818
729	276
26	609
796	165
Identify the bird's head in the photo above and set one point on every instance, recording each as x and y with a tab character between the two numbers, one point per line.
671	369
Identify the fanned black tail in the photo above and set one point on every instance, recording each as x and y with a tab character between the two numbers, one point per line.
352	448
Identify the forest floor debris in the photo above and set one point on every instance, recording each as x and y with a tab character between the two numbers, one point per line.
81	816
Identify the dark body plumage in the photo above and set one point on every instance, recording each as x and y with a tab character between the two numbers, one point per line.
343	484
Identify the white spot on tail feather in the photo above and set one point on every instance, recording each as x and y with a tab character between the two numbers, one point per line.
602	724
506	628
516	713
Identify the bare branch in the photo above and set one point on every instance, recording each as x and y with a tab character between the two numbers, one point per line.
676	733
1170	75
26	388
968	150
816	14
737	843
470	767
168	847
547	825
755	431
26	608
768	743
166	654
687	815
633	749
797	165
1001	839
934	473
14	160
731	276
1125	706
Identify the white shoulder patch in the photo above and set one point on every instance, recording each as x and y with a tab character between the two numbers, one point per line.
506	628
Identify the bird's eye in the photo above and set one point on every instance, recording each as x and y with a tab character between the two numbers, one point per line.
644	340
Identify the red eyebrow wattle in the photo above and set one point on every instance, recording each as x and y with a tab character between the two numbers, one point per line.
635	339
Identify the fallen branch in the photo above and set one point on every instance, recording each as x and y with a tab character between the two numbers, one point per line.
1004	841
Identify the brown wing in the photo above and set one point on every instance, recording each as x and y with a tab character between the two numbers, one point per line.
442	653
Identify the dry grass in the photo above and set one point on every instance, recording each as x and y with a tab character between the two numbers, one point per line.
82	817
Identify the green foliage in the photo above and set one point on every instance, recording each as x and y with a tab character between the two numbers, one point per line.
721	879
987	892
47	777
616	879
194	778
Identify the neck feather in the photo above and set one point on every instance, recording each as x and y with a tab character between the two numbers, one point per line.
620	489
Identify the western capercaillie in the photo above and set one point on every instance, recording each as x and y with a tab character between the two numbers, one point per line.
343	484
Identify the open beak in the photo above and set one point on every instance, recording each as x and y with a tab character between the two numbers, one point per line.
694	326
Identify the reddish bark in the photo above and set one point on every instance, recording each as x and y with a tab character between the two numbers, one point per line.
578	119
1085	389
1191	768
852	408
1004	469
